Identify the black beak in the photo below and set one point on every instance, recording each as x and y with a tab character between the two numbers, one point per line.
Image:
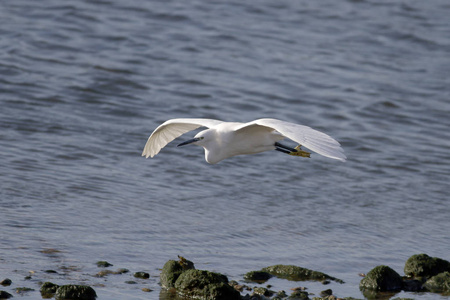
189	142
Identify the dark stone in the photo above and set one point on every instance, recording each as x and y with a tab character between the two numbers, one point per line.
411	285
422	265
257	276
295	273
5	295
142	275
103	264
326	293
439	283
72	291
205	285
6	282
381	278
48	288
171	271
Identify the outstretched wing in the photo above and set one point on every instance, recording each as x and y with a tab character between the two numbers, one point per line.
317	141
170	130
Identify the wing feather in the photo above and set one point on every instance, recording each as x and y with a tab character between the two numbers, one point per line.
312	139
170	130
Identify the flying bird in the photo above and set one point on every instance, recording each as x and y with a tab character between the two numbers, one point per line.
222	140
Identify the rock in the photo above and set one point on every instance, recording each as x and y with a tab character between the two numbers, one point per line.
5	295
103	273
295	273
239	287
439	283
263	291
257	276
23	290
300	295
142	275
281	294
186	264
411	285
381	279
6	282
205	285
103	264
72	291
121	271
422	265
48	288
172	270
326	293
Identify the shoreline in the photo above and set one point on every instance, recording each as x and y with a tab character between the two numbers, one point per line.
179	279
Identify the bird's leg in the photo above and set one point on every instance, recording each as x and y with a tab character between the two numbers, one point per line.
297	151
300	152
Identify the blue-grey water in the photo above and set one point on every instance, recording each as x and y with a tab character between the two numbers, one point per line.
84	83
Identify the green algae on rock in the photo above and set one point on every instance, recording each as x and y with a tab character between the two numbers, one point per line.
295	273
422	265
72	291
172	270
205	285
48	288
439	283
103	264
381	278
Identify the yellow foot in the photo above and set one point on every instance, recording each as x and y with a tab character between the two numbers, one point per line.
300	152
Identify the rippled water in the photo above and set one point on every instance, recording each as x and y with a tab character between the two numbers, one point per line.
83	84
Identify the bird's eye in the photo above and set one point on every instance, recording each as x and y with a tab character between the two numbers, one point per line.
202	137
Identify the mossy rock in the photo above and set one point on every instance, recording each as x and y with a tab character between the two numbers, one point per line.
48	288
381	279
439	283
296	273
103	264
257	276
422	265
72	291
263	291
205	285
172	270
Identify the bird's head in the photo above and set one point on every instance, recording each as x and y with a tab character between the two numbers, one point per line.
199	139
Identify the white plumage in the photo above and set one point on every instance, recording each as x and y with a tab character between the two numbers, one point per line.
225	139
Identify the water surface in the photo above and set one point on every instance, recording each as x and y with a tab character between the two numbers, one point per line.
83	84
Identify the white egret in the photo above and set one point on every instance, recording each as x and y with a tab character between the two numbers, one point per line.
225	139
